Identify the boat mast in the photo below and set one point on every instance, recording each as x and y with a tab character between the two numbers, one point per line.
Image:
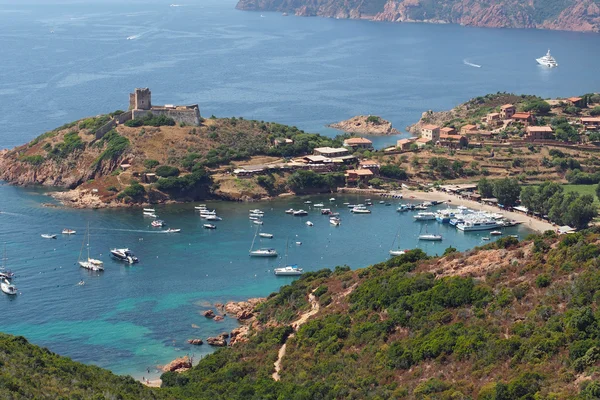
255	233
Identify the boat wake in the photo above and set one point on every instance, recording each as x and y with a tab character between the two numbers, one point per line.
471	64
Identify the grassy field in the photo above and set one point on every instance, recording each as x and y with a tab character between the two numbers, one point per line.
583	189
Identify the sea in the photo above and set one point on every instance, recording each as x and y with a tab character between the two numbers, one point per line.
66	60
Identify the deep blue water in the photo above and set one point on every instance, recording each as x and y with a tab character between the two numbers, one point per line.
302	71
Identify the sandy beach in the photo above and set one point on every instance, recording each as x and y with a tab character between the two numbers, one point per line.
152	383
536	224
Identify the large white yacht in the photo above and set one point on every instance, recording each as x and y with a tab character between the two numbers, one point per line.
547	60
478	225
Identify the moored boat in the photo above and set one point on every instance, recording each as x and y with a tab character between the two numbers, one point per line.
89	263
266	235
67	231
157	223
124	255
300	213
335	221
309	223
289	211
170	230
257	222
209	226
430	237
360	210
495	233
288	270
151	210
8	287
48	236
424	216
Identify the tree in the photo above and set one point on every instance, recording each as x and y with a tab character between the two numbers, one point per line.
485	188
580	212
507	191
393	171
538	106
595	111
376	182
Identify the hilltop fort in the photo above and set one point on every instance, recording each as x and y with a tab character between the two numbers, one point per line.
140	105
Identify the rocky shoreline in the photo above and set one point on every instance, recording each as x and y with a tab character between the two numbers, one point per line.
366	125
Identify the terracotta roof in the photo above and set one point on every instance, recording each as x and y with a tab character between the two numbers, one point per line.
423	140
469	127
358	140
590	119
447	129
430	126
574	99
359	172
403	141
369	162
450	137
504	107
521	115
541	129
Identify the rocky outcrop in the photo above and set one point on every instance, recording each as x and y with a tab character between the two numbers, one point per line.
243	310
178	365
218	341
239	335
366	125
209	314
195	342
218	318
575	15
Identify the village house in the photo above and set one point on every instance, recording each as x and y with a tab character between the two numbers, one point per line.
469	129
453	141
331	152
526	118
539	133
591	123
316	159
404	144
493	120
282	141
358	143
422	142
358	175
431	132
507	111
575	101
371	165
447	131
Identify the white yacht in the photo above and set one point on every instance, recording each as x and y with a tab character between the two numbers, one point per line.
151	210
335	221
360	210
124	255
8	287
289	270
89	263
49	236
289	211
430	237
266	235
170	230
68	231
478	225
397	252
308	223
213	218
209	226
547	60
157	223
424	216
300	213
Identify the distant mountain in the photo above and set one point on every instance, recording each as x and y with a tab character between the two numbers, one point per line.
569	15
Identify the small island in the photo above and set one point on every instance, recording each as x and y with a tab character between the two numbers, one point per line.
366	125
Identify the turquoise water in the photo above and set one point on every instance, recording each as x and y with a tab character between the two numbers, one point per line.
131	317
302	71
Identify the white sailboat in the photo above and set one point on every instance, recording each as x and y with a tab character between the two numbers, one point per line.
396	251
5	284
89	263
430	237
262	252
288	270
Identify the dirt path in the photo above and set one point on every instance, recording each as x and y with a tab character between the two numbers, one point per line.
314	308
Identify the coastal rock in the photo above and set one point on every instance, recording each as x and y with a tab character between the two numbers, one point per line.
366	125
216	341
182	363
224	335
219	318
239	335
243	309
209	314
196	342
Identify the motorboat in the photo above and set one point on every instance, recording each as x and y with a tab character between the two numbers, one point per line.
257	222
150	215
547	60
350	205
157	223
256	215
514	236
420	207
332	199
368	203
207	212
89	263
209	226
253	218
266	235
402	208
345	204
495	233
151	210
424	216
8	287
81	283
319	205
430	237
67	231
256	211
325	211
308	223
170	230
485	238
289	270
200	207
360	210
300	213
263	253
335	221
289	211
298	243
124	255
397	252
48	236
478	225
381	202
308	202
214	218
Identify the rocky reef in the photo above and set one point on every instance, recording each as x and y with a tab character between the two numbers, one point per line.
366	125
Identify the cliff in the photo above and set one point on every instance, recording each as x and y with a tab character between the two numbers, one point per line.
570	15
151	162
366	125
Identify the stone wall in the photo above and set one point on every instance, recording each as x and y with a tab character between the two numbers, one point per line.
104	129
189	116
126	116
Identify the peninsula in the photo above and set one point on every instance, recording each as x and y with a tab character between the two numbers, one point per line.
567	15
366	125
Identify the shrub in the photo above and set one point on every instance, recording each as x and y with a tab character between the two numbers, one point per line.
151	120
33	160
70	144
393	171
149	163
115	147
374	119
166	170
543	281
135	191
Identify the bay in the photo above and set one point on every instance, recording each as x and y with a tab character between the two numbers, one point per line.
68	61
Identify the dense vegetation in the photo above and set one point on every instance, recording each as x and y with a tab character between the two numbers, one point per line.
303	181
31	372
114	146
506	190
151	120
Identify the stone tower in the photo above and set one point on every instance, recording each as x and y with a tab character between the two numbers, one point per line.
140	99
